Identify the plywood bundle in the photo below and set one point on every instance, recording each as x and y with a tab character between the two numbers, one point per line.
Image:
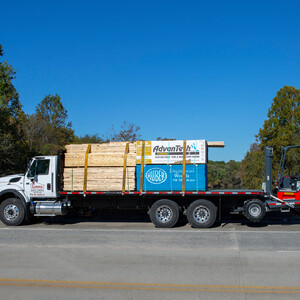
105	167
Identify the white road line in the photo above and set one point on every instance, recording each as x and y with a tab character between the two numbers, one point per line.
169	231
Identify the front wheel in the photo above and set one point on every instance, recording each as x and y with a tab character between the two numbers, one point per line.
202	214
164	213
12	212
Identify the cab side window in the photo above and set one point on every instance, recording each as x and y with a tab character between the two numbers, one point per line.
43	167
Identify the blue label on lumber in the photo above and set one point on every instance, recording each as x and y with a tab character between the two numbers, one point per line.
169	177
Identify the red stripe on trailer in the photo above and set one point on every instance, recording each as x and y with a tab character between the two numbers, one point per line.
297	202
166	193
132	193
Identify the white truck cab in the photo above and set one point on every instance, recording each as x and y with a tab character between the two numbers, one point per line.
34	193
38	181
40	178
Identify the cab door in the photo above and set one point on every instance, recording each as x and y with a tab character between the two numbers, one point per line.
39	180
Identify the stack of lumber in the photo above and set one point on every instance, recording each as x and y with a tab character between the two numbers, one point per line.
104	167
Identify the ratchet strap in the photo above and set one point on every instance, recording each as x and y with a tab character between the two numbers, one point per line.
142	166
183	167
88	150
125	167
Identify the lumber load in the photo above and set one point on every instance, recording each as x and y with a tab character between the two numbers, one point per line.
143	165
108	167
99	178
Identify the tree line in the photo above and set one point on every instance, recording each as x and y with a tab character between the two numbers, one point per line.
43	132
48	130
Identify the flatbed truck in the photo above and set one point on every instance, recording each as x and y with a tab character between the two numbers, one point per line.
39	193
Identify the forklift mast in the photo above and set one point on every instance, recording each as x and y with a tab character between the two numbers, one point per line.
282	161
282	181
268	168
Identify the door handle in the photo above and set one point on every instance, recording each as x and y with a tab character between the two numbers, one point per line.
48	186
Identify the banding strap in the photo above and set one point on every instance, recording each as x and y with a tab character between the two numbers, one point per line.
72	181
183	167
142	166
171	178
88	150
125	167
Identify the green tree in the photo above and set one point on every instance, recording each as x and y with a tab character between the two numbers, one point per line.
88	139
252	167
48	129
283	123
128	132
280	129
12	143
223	175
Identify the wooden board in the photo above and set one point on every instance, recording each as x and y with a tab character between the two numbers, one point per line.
99	179
99	173
100	187
219	144
101	148
99	160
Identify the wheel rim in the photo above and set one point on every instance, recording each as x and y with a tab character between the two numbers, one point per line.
201	214
11	212
254	210
164	214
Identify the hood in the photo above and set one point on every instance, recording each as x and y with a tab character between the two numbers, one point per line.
10	179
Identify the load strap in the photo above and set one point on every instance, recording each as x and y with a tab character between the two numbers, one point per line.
88	150
125	167
183	167
142	166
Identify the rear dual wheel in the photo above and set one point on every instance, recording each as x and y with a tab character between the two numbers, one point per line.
202	214
164	213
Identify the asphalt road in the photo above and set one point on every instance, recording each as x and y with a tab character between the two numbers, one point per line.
128	258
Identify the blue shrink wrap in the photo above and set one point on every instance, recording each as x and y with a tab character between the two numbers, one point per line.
169	177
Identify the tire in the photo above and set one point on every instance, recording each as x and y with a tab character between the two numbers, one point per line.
12	212
201	214
254	210
164	213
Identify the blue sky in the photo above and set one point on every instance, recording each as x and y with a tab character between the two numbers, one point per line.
178	69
